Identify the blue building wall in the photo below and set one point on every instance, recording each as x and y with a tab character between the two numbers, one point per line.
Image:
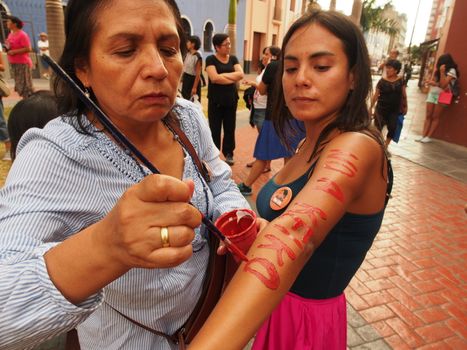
197	12
217	11
32	13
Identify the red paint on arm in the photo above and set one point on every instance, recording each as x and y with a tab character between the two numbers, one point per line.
287	233
313	213
309	233
308	210
329	186
271	280
280	247
338	160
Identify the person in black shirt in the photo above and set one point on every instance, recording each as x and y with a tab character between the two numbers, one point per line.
224	71
392	99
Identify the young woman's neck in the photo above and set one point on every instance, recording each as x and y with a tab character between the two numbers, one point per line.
313	131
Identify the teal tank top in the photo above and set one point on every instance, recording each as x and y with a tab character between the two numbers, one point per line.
333	264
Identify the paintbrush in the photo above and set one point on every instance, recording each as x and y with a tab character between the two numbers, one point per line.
120	137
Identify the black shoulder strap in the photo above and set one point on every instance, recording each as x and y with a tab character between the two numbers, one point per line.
390	181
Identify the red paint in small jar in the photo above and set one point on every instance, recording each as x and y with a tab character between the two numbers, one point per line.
239	225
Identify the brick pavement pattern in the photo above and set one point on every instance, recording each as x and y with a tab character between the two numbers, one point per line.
411	288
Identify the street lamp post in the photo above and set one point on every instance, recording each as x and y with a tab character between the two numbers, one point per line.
413	30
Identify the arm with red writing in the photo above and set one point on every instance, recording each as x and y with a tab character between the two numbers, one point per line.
348	168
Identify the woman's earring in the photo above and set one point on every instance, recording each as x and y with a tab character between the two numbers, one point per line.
86	92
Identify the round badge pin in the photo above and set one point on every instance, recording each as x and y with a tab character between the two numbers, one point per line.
281	198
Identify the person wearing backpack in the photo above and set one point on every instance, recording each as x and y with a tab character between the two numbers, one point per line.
444	78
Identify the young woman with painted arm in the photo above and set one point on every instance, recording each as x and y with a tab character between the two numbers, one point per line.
325	206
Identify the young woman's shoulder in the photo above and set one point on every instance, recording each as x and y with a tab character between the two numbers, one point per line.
362	145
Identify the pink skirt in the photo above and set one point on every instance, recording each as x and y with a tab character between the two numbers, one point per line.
299	323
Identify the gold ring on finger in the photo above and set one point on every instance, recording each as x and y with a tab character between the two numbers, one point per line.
165	237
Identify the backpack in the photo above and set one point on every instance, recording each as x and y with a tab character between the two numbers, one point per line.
248	97
455	89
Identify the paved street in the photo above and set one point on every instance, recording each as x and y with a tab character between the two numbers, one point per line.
410	292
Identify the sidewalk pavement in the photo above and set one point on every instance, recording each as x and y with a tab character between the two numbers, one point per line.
410	292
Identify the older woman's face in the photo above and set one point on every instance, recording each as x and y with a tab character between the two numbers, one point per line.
135	62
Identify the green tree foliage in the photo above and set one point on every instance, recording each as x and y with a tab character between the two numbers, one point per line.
372	19
416	53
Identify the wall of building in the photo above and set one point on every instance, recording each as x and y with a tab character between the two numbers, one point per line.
217	12
197	13
266	22
32	13
453	125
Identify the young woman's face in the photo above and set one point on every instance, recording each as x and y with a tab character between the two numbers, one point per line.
135	62
266	57
316	79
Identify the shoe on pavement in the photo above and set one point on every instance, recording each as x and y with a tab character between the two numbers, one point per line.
6	156
229	160
426	139
244	189
419	139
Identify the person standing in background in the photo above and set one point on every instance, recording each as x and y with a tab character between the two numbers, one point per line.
224	72
445	74
4	136
192	65
17	48
259	100
268	145
43	46
393	55
390	98
45	107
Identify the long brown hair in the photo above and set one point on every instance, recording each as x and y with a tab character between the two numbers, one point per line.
354	116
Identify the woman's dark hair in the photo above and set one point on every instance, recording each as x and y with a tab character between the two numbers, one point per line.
354	115
32	112
80	24
18	23
448	62
195	40
218	39
394	64
275	51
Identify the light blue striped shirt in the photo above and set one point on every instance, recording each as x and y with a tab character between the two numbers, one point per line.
63	181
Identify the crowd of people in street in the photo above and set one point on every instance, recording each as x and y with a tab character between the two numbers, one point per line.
133	188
